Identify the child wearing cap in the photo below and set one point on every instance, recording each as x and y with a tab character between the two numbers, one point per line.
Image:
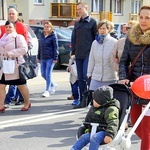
105	110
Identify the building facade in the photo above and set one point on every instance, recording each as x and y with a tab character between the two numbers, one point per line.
63	12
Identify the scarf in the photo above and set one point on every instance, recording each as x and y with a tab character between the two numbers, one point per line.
100	38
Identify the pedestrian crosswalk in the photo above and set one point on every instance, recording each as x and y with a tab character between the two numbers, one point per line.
39	118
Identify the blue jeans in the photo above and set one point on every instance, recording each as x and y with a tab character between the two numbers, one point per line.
10	94
13	93
52	83
82	65
75	90
95	141
46	71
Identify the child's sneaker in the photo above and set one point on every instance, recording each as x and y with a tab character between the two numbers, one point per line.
75	102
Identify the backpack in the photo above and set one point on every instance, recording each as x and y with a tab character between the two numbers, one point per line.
87	98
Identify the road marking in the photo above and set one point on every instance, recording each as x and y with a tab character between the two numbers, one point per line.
39	118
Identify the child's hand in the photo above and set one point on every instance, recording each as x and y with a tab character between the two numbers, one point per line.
68	69
72	57
107	139
117	60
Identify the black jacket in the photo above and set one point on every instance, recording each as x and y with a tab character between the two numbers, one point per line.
48	47
134	43
84	34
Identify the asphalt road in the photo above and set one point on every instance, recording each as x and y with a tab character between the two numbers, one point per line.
50	124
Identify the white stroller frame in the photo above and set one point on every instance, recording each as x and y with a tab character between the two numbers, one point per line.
120	139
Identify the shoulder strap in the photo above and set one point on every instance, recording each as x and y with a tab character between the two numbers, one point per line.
16	47
15	42
137	56
135	59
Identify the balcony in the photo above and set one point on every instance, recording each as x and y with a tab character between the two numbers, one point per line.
63	10
102	15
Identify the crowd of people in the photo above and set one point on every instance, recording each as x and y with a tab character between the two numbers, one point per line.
98	55
105	59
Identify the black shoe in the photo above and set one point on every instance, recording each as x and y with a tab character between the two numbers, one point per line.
19	103
79	106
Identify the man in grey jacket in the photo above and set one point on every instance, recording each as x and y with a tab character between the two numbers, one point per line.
84	34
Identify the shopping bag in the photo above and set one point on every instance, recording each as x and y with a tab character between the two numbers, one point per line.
8	66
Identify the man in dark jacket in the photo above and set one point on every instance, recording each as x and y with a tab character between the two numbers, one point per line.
84	34
105	111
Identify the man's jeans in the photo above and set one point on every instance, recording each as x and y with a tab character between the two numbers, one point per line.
46	71
13	93
10	94
75	90
95	141
82	65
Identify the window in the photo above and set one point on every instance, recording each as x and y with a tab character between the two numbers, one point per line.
97	5
118	6
135	6
38	1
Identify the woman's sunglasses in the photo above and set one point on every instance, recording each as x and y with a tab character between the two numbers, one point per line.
128	28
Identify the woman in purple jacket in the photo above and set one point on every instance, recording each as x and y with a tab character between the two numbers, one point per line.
47	54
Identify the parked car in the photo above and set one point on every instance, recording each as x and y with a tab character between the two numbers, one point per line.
64	43
70	27
2	22
35	43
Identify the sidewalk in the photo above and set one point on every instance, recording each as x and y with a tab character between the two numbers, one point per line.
60	77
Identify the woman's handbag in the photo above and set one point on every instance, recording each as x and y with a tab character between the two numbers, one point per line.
27	69
8	66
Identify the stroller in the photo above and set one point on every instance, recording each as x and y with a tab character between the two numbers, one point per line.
124	95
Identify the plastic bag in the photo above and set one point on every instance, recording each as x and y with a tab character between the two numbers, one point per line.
8	66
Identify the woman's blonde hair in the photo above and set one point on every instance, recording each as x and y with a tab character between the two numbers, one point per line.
50	25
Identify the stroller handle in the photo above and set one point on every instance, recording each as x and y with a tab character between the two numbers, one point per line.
92	123
126	142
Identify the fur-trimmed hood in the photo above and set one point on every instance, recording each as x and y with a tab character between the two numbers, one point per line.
137	37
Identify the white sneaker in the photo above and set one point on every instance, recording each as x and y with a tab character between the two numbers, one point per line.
45	94
53	89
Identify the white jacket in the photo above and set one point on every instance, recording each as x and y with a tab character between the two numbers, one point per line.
99	65
73	71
